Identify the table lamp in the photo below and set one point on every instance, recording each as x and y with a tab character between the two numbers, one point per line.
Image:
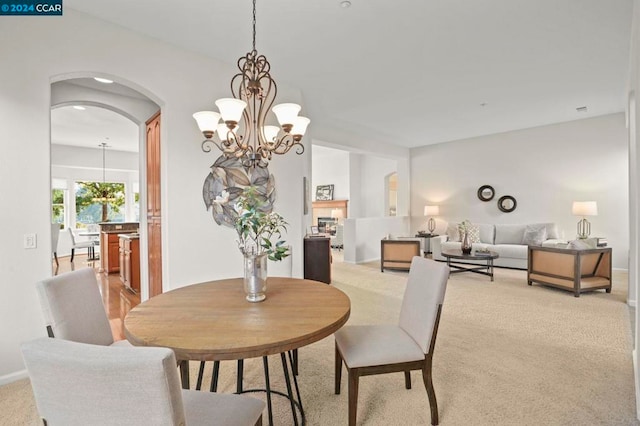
431	211
584	208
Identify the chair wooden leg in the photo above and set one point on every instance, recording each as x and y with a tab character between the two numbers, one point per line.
72	253
431	393
55	256
407	379
354	376
338	372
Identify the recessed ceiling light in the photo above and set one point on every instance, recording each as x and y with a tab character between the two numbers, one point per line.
79	107
345	4
103	80
581	109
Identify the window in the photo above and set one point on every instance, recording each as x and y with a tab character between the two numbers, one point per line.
99	202
57	206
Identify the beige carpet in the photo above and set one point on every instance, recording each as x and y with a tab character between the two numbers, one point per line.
507	354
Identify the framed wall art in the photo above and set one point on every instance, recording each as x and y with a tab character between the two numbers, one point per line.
324	193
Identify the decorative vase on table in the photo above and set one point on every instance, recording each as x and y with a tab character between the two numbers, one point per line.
255	277
466	243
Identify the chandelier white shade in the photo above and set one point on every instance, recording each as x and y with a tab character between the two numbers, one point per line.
244	132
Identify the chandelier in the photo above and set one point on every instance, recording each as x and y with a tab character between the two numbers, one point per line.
243	132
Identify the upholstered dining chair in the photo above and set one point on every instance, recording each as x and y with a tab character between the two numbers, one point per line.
73	309
89	245
379	349
82	384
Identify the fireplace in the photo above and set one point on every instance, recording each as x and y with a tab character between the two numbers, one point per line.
327	225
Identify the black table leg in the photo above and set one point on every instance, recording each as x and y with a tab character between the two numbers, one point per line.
265	361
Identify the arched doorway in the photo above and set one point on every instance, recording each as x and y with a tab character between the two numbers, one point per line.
117	115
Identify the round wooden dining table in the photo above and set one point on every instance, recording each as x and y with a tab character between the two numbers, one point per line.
213	321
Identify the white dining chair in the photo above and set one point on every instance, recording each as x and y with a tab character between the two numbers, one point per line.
82	384
89	245
73	309
377	349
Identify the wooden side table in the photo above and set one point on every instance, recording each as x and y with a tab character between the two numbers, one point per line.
568	269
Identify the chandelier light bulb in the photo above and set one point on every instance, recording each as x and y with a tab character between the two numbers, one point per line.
231	109
270	133
207	122
300	125
223	132
286	113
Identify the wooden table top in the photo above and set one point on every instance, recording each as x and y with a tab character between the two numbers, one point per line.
213	321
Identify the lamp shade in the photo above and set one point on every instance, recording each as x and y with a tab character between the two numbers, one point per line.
231	108
286	113
584	208
207	120
431	210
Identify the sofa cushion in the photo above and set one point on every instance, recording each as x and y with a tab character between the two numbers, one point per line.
509	234
515	251
534	235
487	232
552	229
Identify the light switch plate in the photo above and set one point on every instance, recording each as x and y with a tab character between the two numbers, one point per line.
30	241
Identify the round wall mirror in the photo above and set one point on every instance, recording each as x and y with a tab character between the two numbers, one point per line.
486	192
507	204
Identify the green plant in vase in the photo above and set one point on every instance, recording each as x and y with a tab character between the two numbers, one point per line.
257	228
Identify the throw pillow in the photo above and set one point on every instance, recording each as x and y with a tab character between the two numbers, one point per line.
534	235
473	231
452	232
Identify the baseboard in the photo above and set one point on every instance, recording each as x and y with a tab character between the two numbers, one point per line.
368	260
13	377
635	380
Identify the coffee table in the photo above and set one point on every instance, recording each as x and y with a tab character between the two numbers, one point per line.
455	260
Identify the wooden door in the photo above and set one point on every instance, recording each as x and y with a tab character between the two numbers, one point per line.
154	209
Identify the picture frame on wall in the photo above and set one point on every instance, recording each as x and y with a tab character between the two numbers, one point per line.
324	192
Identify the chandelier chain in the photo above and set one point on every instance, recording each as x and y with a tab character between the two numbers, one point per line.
254	25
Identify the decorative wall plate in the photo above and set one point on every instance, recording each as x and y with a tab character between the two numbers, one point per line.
507	203
486	193
225	183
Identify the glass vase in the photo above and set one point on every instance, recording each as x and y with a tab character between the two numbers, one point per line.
255	277
466	244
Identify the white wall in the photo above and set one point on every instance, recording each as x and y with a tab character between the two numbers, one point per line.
372	185
330	167
364	235
194	248
544	168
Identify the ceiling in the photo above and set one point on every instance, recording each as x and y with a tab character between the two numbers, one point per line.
415	72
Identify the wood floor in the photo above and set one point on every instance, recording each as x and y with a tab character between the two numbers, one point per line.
117	299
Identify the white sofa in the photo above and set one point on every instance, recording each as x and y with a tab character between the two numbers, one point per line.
506	240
